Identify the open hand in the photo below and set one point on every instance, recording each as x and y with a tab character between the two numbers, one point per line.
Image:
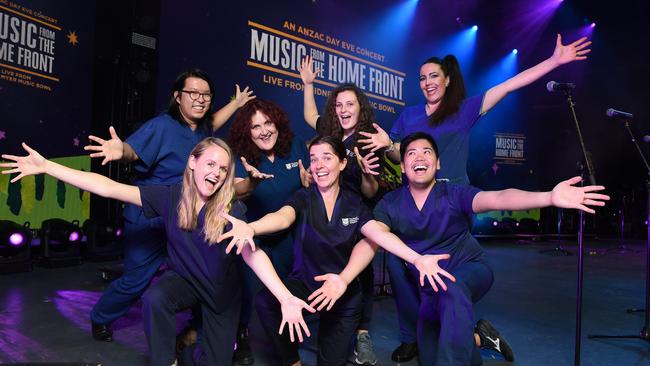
565	195
307	72
571	52
110	150
375	141
333	288
428	266
241	234
367	163
242	96
253	172
292	317
32	164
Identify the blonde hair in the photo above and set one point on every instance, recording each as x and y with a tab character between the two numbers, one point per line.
221	200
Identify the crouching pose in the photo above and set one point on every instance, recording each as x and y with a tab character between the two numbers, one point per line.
201	271
433	218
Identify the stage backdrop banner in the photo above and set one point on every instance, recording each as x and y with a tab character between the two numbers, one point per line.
46	51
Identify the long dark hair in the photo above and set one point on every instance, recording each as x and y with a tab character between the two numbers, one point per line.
455	93
330	125
240	131
173	108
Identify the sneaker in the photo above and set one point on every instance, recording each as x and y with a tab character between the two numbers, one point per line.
243	354
405	352
102	332
364	353
492	340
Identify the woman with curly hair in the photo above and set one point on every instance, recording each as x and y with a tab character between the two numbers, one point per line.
347	113
262	138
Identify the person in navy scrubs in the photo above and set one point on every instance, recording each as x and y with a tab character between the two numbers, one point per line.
348	113
433	217
159	150
328	222
449	116
267	173
202	269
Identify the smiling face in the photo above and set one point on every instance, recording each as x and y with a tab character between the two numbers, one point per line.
325	165
264	133
210	171
193	110
420	163
347	111
433	82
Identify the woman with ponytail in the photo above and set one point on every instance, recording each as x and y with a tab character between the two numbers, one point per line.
448	116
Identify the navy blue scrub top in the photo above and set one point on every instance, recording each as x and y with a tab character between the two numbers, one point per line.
271	194
322	246
442	226
452	135
212	272
163	145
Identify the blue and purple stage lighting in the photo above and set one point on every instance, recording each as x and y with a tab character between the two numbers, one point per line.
16	239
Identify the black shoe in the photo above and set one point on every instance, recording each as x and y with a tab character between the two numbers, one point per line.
243	354
492	340
102	332
405	352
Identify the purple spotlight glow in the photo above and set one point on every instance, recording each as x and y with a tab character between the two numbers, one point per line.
475	28
593	24
495	223
16	239
74	236
118	232
515	51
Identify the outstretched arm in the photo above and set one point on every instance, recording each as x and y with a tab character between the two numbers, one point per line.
242	233
564	195
426	264
335	285
291	306
244	187
220	117
34	163
368	164
111	150
561	55
308	75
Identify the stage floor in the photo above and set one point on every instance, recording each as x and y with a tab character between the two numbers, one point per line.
44	313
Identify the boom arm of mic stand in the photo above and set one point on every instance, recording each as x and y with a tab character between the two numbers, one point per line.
590	166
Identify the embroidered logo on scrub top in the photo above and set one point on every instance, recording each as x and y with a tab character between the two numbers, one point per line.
349	220
291	165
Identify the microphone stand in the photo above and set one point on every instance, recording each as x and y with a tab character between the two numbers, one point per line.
644	334
592	181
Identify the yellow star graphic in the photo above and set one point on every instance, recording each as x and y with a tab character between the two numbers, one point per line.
72	38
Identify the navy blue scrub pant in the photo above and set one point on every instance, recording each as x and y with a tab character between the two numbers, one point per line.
171	294
144	251
445	321
335	329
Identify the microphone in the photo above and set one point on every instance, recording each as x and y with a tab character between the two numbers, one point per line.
614	113
553	86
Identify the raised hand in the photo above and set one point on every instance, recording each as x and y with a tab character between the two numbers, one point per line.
305	175
292	317
565	195
253	172
367	163
375	141
32	164
110	150
429	268
333	288
307	72
241	234
242	96
571	52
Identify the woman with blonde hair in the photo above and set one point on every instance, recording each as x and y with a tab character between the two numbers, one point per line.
200	272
